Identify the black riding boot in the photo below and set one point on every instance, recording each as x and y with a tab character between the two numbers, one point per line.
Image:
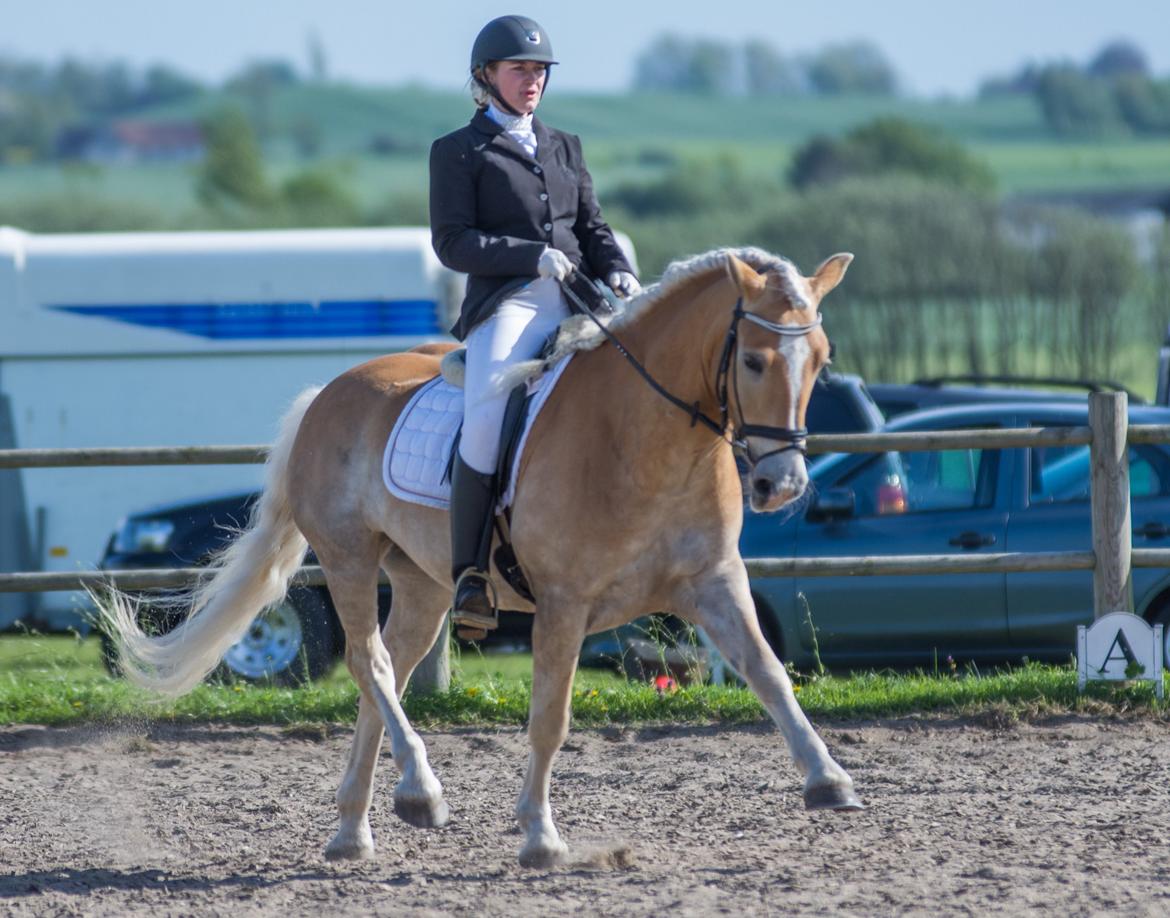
472	505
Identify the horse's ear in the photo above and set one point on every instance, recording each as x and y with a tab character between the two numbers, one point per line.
830	272
749	282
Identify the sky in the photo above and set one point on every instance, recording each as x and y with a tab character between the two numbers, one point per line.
939	47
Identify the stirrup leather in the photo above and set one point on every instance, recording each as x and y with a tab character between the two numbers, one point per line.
476	620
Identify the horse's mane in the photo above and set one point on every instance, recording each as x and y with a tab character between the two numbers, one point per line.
579	333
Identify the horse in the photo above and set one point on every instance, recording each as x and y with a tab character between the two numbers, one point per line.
625	505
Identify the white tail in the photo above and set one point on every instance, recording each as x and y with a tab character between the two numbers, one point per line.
250	574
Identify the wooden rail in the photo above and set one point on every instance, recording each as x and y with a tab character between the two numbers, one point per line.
817	444
860	566
1111	559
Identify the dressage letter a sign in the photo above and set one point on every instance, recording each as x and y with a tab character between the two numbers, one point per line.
1119	647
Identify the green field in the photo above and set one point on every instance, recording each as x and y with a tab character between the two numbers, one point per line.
629	138
60	680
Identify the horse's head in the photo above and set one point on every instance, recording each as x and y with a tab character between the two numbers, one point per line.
780	349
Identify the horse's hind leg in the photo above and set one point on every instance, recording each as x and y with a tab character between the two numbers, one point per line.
556	645
418	797
416	617
723	607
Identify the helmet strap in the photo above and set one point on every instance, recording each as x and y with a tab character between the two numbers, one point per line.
499	100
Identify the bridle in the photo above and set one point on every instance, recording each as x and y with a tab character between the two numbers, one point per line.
793	438
726	383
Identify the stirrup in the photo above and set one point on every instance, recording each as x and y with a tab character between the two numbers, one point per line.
474	626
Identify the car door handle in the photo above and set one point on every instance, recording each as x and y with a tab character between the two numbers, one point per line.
972	540
1151	530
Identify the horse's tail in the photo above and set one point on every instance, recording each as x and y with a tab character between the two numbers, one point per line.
250	574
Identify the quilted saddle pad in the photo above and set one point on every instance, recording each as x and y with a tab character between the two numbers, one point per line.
414	464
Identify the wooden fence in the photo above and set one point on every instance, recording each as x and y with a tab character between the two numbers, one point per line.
1111	559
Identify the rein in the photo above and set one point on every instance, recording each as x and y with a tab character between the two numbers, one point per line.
793	437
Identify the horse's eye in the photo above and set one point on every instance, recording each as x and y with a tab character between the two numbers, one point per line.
753	363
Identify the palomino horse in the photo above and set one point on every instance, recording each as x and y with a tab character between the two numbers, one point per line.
625	506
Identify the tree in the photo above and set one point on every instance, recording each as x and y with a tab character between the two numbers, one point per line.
767	72
663	66
163	84
674	64
1074	104
1143	104
232	172
316	198
889	145
854	68
1119	58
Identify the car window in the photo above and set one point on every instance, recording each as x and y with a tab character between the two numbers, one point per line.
877	485
829	412
1061	474
953	479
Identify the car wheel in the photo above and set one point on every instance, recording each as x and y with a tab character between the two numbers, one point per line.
290	642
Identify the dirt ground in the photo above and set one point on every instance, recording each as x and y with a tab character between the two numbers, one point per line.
1070	816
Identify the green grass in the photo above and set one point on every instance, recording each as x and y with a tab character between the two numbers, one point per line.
60	681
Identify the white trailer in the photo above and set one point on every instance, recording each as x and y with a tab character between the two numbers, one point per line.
164	339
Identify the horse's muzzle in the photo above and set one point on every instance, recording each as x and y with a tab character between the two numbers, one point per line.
777	481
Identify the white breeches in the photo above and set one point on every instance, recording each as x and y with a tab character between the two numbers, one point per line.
513	333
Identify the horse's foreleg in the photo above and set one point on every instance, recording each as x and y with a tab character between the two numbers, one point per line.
556	645
724	608
416	618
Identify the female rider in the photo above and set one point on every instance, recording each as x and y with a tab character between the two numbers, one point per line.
512	206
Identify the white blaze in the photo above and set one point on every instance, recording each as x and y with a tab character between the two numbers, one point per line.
796	352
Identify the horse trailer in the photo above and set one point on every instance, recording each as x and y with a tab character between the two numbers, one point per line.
161	339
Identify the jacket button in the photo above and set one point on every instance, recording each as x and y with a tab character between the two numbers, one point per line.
547	227
536	169
543	196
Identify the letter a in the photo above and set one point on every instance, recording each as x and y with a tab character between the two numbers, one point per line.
1127	655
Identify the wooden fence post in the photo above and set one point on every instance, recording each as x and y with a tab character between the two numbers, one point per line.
1109	488
433	673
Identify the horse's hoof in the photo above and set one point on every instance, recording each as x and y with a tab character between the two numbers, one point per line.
839	797
422	813
349	849
543	855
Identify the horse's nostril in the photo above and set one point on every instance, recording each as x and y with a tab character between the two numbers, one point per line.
762	487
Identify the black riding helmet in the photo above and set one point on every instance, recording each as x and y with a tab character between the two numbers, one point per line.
509	38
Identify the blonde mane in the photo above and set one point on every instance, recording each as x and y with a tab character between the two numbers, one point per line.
579	333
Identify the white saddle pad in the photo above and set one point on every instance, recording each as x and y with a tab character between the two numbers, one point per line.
414	464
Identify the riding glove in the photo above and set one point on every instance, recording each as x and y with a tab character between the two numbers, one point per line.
554	263
623	283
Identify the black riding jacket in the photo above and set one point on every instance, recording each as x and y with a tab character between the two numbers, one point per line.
494	209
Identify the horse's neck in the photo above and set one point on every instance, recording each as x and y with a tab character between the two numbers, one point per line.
652	443
680	340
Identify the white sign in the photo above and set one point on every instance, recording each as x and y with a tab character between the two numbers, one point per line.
1119	647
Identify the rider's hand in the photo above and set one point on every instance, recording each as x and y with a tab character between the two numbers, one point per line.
623	283
554	263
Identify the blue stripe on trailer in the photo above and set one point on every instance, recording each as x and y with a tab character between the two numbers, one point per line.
328	319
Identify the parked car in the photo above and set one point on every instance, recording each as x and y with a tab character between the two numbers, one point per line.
947	502
895	399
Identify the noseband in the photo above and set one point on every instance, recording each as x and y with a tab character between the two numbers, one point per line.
726	380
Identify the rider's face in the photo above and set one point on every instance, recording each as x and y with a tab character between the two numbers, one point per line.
520	83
